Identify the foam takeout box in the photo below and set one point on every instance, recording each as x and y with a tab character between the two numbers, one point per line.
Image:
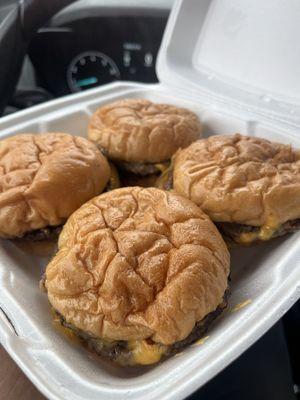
234	63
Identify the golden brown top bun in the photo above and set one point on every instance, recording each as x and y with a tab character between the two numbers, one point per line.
44	178
137	130
138	263
241	179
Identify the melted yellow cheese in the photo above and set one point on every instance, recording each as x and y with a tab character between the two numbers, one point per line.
163	178
241	305
248	237
144	353
199	342
265	232
67	332
114	181
162	166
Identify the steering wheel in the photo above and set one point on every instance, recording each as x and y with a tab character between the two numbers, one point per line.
19	21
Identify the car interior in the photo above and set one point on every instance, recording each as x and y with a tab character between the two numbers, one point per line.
63	47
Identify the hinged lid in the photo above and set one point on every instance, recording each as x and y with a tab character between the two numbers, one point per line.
245	52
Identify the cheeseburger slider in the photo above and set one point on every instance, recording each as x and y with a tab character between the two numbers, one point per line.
44	179
249	186
141	136
139	273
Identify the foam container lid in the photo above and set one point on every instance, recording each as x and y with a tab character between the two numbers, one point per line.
265	278
244	52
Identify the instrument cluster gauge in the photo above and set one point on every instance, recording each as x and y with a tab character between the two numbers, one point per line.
91	69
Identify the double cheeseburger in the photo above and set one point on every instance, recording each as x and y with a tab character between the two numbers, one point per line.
44	179
140	137
249	186
139	273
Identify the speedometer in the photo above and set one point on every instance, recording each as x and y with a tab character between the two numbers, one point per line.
91	69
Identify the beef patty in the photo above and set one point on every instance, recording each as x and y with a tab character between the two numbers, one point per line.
47	233
234	232
138	168
130	179
119	351
142	169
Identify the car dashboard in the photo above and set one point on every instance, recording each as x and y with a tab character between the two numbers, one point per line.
91	47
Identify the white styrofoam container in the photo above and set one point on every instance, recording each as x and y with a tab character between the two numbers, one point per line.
265	275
